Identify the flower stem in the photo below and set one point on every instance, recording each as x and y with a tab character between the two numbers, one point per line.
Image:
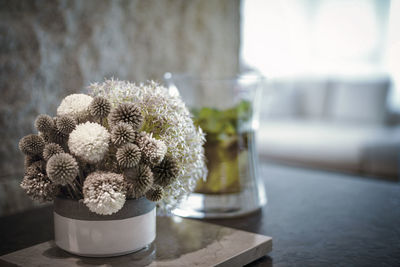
71	194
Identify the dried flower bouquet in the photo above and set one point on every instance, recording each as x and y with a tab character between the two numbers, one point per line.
122	141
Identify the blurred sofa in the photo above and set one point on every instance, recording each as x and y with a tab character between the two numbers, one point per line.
335	123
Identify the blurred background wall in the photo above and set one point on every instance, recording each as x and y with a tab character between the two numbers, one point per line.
49	49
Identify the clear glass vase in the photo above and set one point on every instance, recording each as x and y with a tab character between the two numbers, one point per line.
227	111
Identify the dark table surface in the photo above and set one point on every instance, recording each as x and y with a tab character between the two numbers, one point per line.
315	218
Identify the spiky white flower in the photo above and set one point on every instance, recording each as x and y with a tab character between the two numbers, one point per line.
104	192
89	142
167	117
75	105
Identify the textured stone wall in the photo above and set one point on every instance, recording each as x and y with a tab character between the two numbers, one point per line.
49	49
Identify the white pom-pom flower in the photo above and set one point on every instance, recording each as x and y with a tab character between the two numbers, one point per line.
75	105
104	192
89	142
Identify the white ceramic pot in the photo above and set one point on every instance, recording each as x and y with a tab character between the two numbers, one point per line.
80	231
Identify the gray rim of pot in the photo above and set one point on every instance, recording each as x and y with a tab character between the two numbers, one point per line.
76	209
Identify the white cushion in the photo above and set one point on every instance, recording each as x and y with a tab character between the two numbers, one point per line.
280	100
304	97
313	98
360	101
318	144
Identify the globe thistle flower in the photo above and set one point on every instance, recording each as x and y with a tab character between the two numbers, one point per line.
167	117
65	124
128	156
155	194
104	192
29	160
89	142
153	150
128	113
50	150
75	105
62	168
31	145
37	185
44	123
139	180
122	133
100	107
165	172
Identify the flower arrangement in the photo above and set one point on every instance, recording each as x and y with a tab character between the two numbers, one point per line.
119	142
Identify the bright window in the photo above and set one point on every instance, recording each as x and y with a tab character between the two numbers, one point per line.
323	37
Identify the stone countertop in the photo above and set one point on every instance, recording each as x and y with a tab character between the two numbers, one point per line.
180	242
315	218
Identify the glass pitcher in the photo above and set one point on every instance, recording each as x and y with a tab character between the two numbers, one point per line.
227	111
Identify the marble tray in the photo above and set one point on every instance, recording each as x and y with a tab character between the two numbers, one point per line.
180	242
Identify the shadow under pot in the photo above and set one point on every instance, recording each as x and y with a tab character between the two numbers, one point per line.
79	231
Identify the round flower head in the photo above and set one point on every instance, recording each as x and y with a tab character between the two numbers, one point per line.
165	172
39	188
31	145
89	142
100	107
44	123
155	194
139	180
50	150
128	113
62	168
37	185
104	192
65	124
128	156
75	105
153	150
122	133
